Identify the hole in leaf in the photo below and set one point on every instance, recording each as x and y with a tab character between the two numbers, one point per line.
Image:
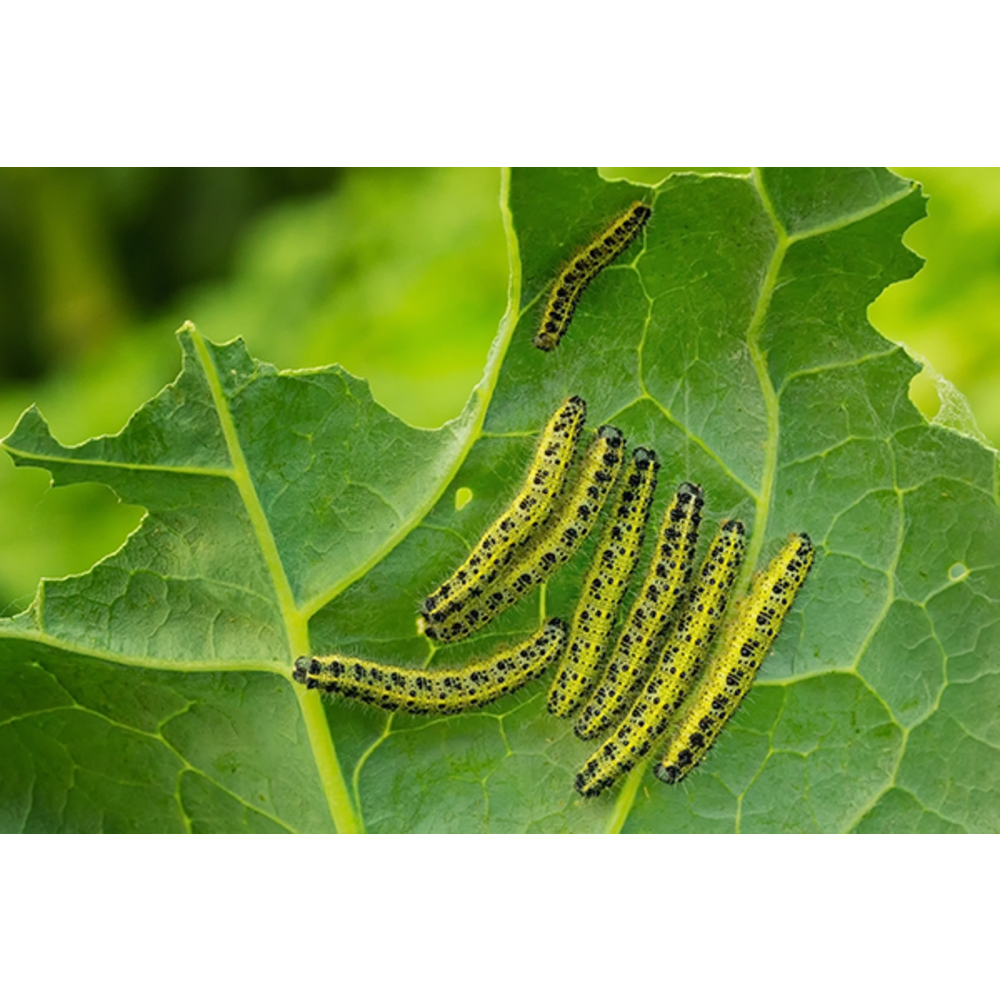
462	496
958	571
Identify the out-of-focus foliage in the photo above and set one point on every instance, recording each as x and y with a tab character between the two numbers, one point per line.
399	275
83	253
950	312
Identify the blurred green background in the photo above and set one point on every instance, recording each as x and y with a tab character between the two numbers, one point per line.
399	275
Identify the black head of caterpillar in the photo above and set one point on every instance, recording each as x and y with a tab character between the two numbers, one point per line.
582	269
440	692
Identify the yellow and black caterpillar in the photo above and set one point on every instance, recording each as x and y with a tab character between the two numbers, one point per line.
582	269
441	692
549	548
528	510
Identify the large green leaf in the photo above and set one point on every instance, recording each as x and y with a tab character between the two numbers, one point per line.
287	511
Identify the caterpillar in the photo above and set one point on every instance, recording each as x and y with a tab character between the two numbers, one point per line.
605	584
529	509
552	546
730	674
644	629
676	670
582	269
441	692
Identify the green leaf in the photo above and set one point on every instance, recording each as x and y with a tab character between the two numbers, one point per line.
288	512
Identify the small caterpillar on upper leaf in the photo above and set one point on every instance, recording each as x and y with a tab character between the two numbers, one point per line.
730	674
443	692
582	269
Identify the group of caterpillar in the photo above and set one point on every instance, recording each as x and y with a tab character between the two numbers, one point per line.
652	670
547	533
540	530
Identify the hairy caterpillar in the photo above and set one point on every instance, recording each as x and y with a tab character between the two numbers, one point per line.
675	672
529	509
443	692
644	629
580	271
553	545
605	584
730	674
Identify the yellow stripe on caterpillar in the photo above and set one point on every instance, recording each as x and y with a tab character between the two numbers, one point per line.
552	546
730	674
524	515
676	670
642	635
582	269
440	692
605	584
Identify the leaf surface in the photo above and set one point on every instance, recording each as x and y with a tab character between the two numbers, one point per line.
289	512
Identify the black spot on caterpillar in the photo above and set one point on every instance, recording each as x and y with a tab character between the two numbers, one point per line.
582	269
644	630
605	584
730	674
552	546
676	670
441	692
528	510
